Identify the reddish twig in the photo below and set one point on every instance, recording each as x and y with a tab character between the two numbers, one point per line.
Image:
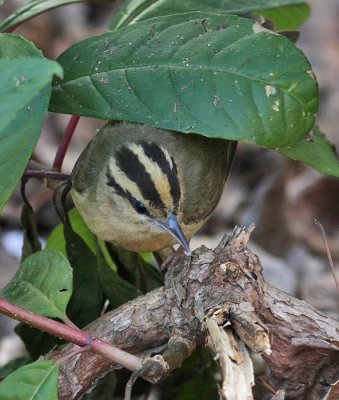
63	146
328	252
74	335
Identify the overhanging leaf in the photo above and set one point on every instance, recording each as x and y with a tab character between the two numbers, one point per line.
32	9
25	78
34	381
288	13
317	151
42	284
216	75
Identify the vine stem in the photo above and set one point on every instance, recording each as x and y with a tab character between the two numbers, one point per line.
74	335
63	146
43	174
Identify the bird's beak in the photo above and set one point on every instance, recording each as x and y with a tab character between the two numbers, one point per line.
173	228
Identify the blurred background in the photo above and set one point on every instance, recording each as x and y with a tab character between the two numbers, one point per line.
280	196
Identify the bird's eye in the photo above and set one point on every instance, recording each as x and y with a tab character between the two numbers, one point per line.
140	208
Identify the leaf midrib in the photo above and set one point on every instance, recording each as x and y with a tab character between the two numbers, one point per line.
42	382
175	66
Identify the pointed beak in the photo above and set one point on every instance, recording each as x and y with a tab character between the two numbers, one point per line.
173	228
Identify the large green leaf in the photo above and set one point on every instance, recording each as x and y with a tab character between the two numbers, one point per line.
25	78
136	270
116	289
316	151
43	284
56	239
31	9
216	75
87	298
34	381
289	14
36	342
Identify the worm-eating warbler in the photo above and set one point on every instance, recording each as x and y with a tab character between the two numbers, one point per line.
145	189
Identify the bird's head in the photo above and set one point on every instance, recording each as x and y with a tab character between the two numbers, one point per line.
144	184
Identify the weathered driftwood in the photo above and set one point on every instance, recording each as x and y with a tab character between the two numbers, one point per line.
219	298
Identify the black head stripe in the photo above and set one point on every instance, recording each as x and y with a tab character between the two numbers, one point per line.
130	164
118	189
156	154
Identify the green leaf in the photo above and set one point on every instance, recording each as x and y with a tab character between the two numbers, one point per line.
137	10
195	379
42	284
56	240
34	381
133	268
202	386
316	151
116	289
32	9
13	365
216	75
287	17
87	298
37	343
25	78
104	388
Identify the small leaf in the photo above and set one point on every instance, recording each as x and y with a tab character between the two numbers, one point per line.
87	299
32	9
317	151
42	284
279	10
34	381
243	83
117	290
25	90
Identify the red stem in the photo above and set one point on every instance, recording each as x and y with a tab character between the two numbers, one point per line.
74	335
63	146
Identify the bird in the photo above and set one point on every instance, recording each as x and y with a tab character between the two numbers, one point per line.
145	189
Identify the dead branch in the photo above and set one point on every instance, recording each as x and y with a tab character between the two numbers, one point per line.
218	297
